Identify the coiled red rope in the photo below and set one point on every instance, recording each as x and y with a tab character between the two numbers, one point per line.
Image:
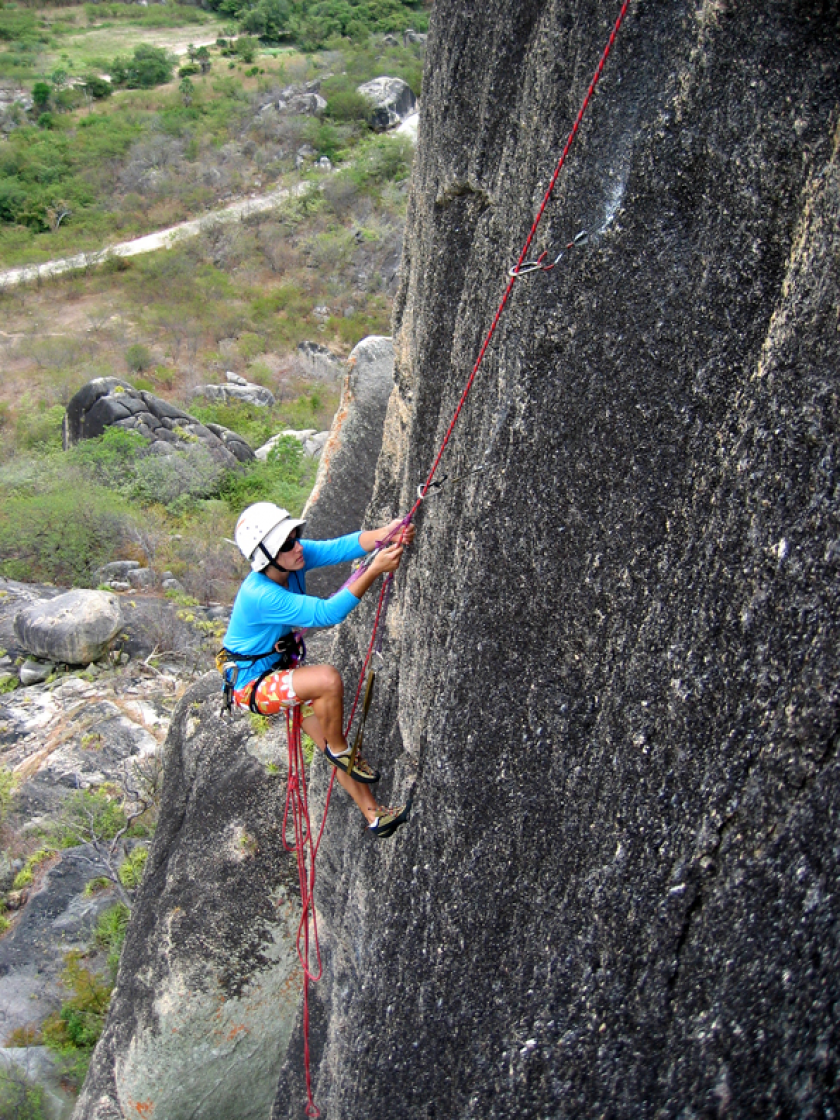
296	794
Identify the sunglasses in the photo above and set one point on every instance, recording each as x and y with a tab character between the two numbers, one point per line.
289	543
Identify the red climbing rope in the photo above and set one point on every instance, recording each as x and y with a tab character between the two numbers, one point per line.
514	272
296	794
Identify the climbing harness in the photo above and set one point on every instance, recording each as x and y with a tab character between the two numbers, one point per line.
296	793
540	265
290	651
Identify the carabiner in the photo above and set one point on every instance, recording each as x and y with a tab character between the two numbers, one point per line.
539	264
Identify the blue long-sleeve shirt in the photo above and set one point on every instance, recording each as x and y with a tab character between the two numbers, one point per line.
263	611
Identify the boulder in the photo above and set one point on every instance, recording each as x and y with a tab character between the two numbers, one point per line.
209	976
238	390
344	482
74	629
319	361
35	672
311	441
392	100
108	401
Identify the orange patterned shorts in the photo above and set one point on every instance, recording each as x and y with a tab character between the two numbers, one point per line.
275	694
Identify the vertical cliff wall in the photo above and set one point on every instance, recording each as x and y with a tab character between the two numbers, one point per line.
612	662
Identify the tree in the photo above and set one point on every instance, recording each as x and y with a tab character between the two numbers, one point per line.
97	88
202	57
186	91
269	20
41	94
150	66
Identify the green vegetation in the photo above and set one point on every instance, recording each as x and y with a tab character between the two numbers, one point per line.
74	1031
87	814
315	23
111	930
27	873
131	871
148	67
19	1098
8	784
84	167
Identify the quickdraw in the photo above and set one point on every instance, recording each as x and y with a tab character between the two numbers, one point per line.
539	265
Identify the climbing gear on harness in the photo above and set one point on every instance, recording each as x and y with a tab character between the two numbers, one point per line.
387	823
539	265
357	742
229	671
261	530
290	651
358	769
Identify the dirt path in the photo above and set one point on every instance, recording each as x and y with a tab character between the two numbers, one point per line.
162	239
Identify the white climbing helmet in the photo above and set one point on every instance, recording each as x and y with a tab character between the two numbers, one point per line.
264	524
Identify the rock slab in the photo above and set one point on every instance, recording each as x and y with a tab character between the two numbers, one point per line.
344	482
209	976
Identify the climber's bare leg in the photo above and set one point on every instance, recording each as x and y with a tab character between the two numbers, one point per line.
321	686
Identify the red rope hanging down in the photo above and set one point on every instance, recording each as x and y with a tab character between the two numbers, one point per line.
296	792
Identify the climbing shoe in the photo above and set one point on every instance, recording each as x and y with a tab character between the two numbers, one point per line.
361	772
388	821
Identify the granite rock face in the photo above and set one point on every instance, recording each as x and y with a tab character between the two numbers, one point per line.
611	664
209	976
346	471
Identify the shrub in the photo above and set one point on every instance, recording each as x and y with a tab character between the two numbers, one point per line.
38	427
74	1031
20	1099
87	815
148	67
60	537
285	478
131	870
138	358
8	784
96	87
41	94
111	929
348	105
177	479
111	458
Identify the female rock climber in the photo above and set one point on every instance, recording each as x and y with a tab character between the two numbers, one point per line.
272	604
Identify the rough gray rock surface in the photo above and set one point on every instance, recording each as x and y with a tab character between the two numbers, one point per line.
239	390
344	482
75	628
108	401
209	976
319	361
56	919
612	659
